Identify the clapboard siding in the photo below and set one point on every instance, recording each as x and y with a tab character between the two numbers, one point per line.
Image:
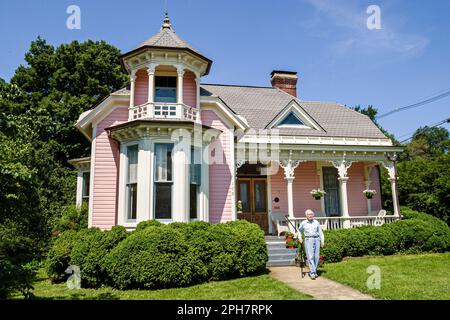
141	87
189	89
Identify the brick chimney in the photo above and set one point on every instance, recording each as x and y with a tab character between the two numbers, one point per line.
285	80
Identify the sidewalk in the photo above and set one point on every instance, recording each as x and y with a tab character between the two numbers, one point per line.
319	289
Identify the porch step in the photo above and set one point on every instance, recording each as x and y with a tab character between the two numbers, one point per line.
280	263
279	255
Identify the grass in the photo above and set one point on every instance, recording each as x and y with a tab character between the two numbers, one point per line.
261	287
403	277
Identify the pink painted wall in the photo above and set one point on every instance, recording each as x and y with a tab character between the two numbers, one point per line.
106	169
357	202
376	185
306	179
141	87
220	174
189	89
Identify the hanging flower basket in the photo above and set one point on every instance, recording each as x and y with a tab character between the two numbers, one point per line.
369	193
317	193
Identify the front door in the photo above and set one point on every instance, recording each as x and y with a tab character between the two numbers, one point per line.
252	192
331	187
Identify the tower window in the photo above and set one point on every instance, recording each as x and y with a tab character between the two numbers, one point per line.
165	89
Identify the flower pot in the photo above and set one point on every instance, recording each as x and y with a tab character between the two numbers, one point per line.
369	197
289	239
317	198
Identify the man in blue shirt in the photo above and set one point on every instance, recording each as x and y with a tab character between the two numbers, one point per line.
314	240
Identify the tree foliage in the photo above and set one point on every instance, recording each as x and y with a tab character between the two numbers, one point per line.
38	110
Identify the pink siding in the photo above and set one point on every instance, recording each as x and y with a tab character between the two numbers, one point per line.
306	179
106	171
189	89
375	185
141	87
357	202
220	174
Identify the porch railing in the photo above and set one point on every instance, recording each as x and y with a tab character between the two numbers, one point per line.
162	110
332	223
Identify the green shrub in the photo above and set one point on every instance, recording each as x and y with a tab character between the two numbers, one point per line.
72	218
418	232
59	255
91	249
16	250
156	257
148	223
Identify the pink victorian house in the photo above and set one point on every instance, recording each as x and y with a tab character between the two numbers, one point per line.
172	148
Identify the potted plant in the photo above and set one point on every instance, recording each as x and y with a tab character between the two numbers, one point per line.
289	237
317	193
291	244
239	206
369	193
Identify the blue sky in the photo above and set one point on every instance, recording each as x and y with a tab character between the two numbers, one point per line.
327	42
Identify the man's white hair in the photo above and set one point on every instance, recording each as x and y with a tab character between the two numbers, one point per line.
309	211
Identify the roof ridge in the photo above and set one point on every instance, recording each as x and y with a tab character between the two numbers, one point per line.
236	85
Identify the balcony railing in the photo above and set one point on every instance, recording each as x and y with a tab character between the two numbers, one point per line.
330	223
160	110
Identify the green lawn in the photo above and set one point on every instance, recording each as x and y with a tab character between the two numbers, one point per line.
424	276
261	287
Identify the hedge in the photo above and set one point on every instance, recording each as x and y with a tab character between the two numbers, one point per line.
416	232
160	256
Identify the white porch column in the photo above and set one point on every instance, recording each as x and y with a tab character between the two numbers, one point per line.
181	183
289	167
180	71
342	166
132	87
144	181
151	82
389	165
197	86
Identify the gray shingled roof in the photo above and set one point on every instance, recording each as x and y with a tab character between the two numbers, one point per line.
166	38
260	105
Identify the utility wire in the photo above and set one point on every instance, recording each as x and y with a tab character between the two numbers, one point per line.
433	126
417	104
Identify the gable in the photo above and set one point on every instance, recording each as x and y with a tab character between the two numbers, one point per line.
293	116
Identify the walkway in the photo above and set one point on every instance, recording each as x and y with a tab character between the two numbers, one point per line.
320	289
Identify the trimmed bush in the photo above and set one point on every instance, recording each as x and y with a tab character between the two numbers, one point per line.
156	257
160	256
59	255
148	223
418	232
91	249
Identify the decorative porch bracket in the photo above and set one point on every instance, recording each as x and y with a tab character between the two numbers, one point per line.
342	166
289	167
390	167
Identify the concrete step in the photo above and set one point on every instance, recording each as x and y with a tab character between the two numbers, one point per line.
281	250
272	238
281	256
281	263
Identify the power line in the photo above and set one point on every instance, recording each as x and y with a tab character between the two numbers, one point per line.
417	104
428	128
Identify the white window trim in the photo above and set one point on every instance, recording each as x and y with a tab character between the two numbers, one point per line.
122	203
153	196
80	185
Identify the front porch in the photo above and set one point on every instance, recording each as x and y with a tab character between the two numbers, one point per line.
285	186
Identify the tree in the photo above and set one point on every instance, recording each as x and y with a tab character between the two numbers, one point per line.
38	110
429	142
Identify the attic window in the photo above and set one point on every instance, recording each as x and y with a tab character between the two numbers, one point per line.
292	120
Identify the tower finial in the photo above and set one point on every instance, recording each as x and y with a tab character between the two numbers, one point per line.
166	24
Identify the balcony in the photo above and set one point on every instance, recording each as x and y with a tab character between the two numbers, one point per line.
162	110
